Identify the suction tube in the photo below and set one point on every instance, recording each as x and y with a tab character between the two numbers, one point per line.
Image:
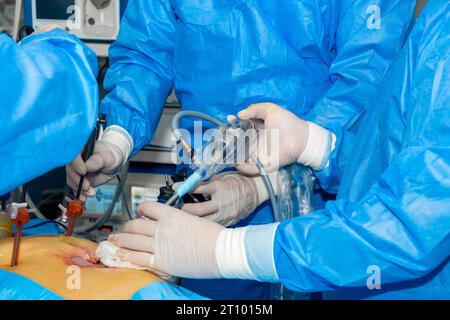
185	114
196	177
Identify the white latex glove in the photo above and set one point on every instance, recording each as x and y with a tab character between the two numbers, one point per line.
233	197
110	153
171	242
288	139
46	28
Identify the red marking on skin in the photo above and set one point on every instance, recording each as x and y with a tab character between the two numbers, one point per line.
81	262
82	258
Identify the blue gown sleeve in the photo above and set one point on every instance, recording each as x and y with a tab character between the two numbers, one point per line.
402	224
140	77
364	50
49	104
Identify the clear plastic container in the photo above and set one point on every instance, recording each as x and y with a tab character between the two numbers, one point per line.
295	191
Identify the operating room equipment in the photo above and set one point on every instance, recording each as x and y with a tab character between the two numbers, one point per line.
7	13
17	19
168	190
5	225
3	200
88	19
95	21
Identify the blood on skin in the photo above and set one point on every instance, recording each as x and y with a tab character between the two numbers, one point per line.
82	258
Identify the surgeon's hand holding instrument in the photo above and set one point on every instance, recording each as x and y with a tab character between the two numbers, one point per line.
75	207
231	198
109	157
299	141
234	142
231	143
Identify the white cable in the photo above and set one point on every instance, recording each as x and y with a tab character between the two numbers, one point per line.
17	16
33	206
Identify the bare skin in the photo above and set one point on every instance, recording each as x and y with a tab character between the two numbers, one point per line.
46	260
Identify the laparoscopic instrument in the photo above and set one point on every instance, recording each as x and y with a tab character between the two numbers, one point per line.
20	216
75	207
230	144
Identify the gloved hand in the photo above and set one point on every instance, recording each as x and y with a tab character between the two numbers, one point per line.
287	139
233	197
46	28
110	153
171	242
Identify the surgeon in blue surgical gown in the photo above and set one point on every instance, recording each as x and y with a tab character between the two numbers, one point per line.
387	236
48	103
320	59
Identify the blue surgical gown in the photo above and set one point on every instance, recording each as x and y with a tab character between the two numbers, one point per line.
392	216
321	59
48	104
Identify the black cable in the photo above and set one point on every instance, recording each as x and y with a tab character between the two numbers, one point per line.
46	199
124	198
103	68
107	215
44	223
25	31
24	194
87	153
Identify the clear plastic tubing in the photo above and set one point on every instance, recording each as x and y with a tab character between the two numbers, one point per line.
205	166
